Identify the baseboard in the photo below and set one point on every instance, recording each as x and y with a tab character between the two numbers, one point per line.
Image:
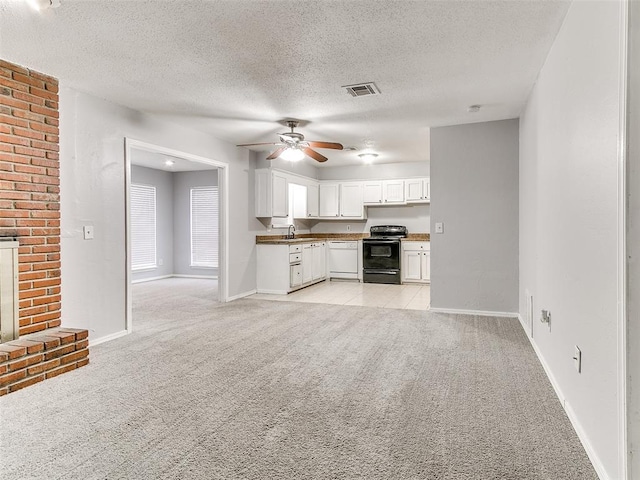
272	292
107	338
577	426
210	277
482	313
241	295
151	279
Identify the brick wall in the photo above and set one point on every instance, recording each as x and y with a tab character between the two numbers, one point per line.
37	357
30	189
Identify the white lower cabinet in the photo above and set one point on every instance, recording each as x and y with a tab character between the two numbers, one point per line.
319	260
416	262
283	268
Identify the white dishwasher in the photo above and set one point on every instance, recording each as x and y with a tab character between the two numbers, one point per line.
343	259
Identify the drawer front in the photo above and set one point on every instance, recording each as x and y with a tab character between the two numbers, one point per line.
295	248
416	246
295	257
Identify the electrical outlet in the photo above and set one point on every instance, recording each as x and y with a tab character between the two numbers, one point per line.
87	230
577	359
545	317
160	262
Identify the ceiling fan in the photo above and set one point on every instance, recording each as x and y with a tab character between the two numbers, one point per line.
292	146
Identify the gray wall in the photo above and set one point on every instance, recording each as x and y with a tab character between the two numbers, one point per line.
182	184
163	181
474	191
633	238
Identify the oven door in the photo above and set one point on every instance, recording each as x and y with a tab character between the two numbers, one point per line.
381	255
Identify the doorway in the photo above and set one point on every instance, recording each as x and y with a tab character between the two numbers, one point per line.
176	220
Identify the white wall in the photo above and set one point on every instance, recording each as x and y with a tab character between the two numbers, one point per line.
183	182
375	171
163	181
474	192
633	237
568	220
92	170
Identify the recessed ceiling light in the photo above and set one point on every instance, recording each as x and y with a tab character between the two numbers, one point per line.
473	108
39	5
368	157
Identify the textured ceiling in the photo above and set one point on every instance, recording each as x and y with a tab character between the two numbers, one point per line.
236	69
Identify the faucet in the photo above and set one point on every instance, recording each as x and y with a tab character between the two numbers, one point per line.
291	234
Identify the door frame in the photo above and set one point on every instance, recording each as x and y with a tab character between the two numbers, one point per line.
223	236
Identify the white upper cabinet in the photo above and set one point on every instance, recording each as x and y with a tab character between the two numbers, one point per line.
298	198
417	190
272	199
351	200
312	200
329	200
393	191
372	192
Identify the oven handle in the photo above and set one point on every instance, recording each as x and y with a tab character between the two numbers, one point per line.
382	272
380	241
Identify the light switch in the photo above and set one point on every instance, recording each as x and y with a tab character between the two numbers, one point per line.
439	227
88	232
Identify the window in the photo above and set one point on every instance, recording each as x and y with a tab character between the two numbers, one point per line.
204	227
143	227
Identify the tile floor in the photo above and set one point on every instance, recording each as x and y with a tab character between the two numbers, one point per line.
413	297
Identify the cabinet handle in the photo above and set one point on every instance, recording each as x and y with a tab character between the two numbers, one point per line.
380	200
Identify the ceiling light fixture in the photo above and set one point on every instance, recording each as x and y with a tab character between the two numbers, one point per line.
169	163
368	157
473	108
292	154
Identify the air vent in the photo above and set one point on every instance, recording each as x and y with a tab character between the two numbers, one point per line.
362	89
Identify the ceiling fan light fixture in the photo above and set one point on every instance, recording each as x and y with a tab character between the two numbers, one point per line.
39	5
368	157
292	155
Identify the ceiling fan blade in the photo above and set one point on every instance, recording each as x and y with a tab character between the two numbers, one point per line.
335	146
255	144
315	155
277	153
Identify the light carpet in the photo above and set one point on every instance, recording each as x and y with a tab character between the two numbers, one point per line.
282	390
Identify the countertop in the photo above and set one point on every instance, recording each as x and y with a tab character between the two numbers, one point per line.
321	237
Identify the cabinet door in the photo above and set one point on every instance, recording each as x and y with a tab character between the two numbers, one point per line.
413	190
426	189
393	191
351	205
296	275
312	200
412	265
319	260
307	263
298	197
426	266
263	193
372	193
280	203
329	193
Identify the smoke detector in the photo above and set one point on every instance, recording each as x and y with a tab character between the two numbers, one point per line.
473	108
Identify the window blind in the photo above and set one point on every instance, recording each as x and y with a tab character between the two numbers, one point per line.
143	226
204	227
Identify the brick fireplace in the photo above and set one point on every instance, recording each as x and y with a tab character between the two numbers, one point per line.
30	212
